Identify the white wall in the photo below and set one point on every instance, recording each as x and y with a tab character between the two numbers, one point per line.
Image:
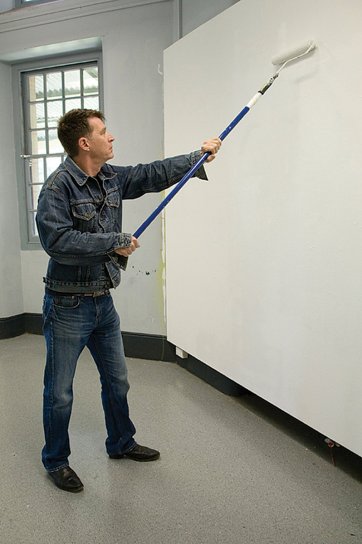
11	301
133	43
263	263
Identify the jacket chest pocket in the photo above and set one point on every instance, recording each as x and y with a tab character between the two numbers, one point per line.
113	199
84	216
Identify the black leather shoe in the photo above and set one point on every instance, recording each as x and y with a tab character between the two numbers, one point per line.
138	453
65	478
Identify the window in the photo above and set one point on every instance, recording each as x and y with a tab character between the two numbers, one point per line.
46	95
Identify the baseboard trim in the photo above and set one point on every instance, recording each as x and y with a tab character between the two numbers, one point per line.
152	347
12	326
33	323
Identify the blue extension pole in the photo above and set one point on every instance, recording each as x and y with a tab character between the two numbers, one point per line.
202	159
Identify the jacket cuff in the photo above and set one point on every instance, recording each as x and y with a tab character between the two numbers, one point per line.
194	157
124	240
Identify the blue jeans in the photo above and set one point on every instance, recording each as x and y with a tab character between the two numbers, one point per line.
71	323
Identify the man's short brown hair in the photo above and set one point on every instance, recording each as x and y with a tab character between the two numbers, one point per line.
73	125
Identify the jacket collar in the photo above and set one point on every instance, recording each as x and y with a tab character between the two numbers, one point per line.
81	177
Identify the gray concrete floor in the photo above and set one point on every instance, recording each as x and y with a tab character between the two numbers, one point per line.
227	473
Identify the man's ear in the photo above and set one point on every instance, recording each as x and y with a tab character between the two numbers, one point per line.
83	143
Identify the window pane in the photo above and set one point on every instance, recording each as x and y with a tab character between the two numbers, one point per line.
55	110
54	85
90	80
52	164
54	144
37	115
72	83
72	104
37	171
91	102
38	146
36	87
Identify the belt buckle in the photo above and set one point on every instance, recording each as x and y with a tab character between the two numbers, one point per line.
97	293
100	293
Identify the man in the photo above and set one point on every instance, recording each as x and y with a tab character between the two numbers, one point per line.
79	221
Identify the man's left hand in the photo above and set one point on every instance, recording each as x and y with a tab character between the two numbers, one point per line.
211	146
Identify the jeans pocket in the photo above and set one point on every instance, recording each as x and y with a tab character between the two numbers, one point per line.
67	301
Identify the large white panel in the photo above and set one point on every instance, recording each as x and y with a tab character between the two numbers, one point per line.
263	262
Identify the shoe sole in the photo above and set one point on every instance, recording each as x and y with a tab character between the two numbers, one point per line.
140	460
75	490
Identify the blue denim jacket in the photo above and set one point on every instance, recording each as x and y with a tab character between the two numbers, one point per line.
79	219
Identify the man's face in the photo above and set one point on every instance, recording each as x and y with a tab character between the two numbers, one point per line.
100	141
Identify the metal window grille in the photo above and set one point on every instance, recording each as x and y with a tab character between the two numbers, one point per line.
47	95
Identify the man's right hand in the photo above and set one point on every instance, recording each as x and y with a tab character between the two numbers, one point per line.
127	251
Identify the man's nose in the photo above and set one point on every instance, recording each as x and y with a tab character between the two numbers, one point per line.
111	138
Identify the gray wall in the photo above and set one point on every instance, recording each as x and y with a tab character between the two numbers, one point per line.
5	5
133	42
196	12
11	302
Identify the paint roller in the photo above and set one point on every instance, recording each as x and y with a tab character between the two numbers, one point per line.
280	60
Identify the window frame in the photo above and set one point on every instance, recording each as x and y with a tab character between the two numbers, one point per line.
24	4
29	241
